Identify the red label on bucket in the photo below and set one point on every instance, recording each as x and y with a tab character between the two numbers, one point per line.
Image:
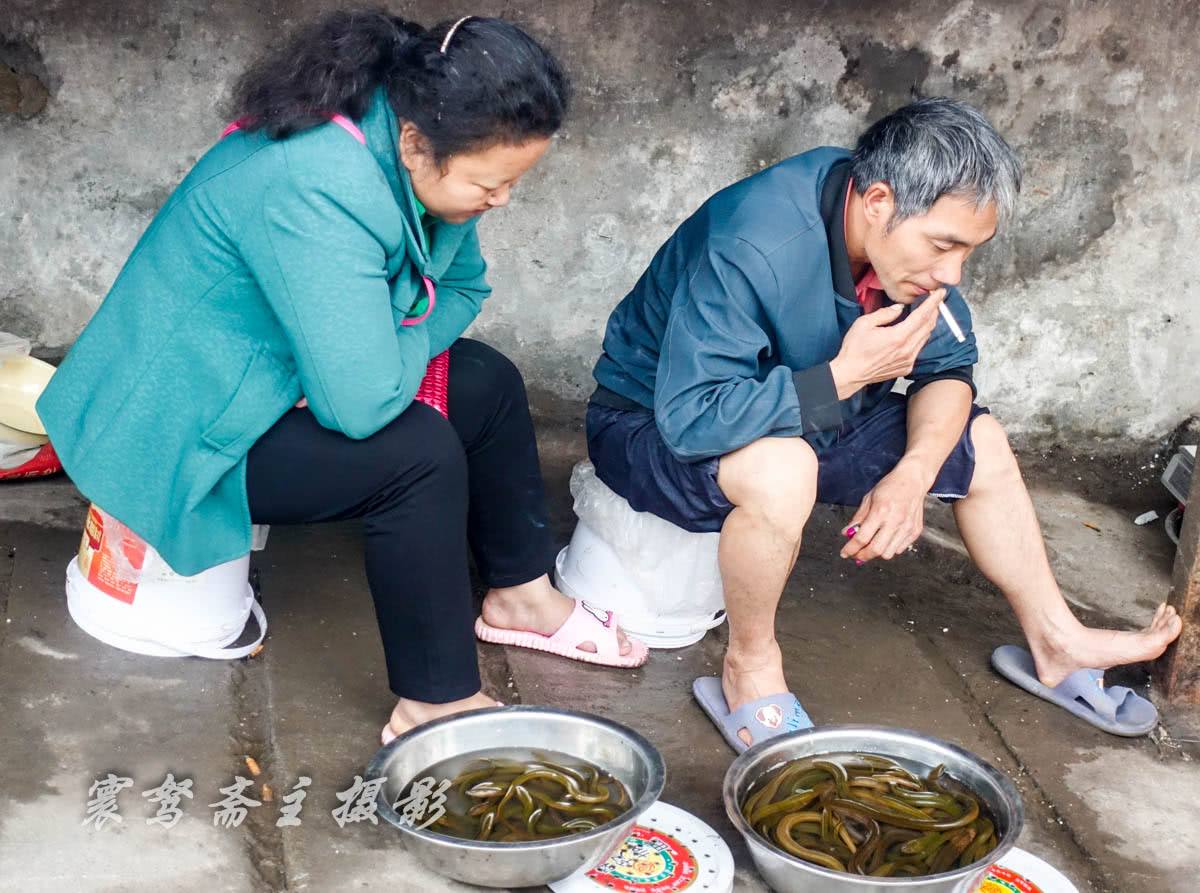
647	862
111	555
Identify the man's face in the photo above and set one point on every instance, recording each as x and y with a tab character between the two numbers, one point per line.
922	253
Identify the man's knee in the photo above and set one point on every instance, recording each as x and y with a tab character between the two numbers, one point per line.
774	476
994	459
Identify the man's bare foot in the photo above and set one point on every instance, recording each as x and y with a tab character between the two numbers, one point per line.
752	674
535	607
409	714
1103	648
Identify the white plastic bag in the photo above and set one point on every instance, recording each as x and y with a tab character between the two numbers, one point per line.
657	573
14	345
18	447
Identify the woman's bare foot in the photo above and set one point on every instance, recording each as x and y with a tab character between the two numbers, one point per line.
1060	655
750	675
535	607
409	714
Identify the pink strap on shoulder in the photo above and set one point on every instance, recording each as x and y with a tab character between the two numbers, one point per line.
349	126
429	290
340	120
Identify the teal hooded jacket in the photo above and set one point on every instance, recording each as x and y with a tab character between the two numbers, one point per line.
277	268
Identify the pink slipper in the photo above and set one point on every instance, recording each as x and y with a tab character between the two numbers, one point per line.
586	624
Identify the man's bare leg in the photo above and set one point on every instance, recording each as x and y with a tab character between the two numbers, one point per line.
999	526
772	484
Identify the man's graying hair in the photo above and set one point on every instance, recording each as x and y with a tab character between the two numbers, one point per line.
937	147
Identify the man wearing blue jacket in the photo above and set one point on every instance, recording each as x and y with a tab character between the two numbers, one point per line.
750	372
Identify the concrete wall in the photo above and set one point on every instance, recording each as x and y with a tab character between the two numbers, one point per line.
1088	311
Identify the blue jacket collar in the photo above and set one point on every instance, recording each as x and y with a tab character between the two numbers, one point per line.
833	211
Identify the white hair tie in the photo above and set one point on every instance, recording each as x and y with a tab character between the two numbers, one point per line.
450	33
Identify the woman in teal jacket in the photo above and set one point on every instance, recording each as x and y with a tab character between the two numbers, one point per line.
256	360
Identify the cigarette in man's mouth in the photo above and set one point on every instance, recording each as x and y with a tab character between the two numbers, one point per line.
951	322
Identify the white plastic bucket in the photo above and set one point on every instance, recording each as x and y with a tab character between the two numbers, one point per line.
662	582
120	591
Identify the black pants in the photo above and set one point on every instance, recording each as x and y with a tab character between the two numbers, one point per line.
426	488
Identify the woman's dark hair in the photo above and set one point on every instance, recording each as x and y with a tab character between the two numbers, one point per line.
492	84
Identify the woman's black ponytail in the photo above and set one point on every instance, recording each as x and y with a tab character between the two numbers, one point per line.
464	83
330	66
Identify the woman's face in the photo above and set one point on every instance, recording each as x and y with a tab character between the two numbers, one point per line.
467	184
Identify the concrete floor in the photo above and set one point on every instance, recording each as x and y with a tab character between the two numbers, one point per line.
904	643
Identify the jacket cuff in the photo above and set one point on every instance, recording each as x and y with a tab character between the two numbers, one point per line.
820	408
962	373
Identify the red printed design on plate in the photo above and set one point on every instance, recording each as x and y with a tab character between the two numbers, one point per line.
1004	880
647	862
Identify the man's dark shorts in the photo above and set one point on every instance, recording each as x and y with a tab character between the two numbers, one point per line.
631	458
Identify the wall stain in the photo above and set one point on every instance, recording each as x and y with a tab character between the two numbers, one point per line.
766	149
1045	27
1115	45
23	80
20	315
1067	201
886	77
987	91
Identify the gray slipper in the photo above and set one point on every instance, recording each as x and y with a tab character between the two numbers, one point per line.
765	718
1116	709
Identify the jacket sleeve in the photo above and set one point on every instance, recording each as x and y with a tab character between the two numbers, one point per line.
943	356
711	395
321	264
460	295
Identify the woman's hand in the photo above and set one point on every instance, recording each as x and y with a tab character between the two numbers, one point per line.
301	403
